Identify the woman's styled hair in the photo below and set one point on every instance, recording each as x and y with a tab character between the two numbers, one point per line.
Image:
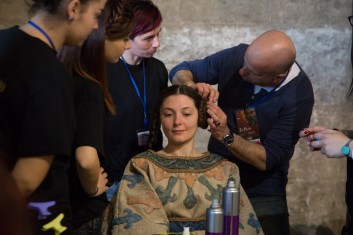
200	104
147	16
119	19
88	61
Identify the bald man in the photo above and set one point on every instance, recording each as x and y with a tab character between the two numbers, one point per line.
263	83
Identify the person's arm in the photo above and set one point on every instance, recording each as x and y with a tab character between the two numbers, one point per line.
328	141
92	177
208	71
309	133
89	142
29	172
247	151
184	77
277	147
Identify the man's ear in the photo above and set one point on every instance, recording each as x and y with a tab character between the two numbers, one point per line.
73	9
280	77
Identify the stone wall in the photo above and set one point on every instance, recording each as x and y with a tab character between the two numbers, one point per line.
322	35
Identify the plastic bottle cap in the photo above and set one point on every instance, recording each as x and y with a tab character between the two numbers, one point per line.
231	183
186	231
215	203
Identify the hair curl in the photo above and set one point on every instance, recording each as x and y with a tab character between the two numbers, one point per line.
118	19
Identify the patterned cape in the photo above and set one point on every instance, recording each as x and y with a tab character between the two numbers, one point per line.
161	194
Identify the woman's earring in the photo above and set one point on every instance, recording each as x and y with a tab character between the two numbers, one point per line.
70	18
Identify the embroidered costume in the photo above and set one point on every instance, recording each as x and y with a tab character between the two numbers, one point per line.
161	194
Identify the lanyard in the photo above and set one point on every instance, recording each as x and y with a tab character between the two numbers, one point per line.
43	32
143	102
262	99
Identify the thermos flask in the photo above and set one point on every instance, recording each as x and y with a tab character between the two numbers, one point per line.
214	219
230	203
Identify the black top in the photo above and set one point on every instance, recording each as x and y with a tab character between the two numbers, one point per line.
122	140
92	117
37	118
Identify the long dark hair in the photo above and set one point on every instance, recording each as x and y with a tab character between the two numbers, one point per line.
200	104
88	61
147	16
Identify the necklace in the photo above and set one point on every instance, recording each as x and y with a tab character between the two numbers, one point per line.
42	32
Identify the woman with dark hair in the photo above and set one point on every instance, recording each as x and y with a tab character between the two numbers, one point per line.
93	108
134	83
37	120
336	143
162	192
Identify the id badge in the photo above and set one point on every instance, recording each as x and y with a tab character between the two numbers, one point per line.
142	137
247	125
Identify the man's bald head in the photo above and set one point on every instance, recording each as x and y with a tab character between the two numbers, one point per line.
272	51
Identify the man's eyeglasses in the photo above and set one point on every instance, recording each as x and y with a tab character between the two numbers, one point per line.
350	18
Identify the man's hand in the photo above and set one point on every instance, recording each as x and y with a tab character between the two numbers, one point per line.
207	92
217	121
184	77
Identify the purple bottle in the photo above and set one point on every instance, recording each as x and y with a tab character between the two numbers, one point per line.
214	219
231	208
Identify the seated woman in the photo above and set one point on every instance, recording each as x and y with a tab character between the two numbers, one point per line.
162	192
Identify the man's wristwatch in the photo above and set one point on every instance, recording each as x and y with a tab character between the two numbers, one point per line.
228	139
346	150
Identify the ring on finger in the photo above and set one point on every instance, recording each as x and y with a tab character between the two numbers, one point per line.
217	123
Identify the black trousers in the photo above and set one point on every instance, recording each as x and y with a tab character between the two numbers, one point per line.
272	213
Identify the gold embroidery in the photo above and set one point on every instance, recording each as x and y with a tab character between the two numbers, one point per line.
140	163
241	202
216	173
233	167
151	201
188	178
160	174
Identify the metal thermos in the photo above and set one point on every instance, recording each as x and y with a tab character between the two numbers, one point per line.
231	208
214	219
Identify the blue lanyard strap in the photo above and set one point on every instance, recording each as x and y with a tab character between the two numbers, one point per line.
143	102
43	32
262	99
